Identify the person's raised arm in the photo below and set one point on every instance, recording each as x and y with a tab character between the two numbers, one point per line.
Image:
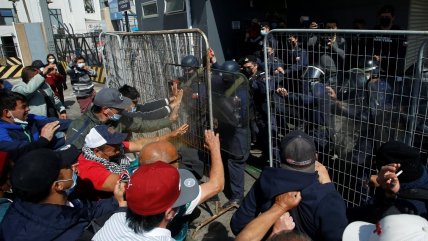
216	182
257	229
137	145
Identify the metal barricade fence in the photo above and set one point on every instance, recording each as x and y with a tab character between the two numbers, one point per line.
351	91
151	62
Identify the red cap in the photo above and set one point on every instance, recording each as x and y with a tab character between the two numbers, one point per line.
153	189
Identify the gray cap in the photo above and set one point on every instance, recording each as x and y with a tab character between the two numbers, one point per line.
189	188
109	97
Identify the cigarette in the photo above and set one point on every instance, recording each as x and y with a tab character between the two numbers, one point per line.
397	174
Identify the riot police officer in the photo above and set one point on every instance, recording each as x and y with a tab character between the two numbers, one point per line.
259	117
231	112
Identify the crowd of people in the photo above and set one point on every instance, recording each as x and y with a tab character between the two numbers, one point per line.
75	179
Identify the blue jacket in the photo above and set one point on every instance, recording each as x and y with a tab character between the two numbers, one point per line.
16	139
321	213
421	183
31	221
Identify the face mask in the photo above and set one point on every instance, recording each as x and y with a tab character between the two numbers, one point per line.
71	189
18	121
51	61
133	109
42	68
385	21
247	71
81	65
262	32
115	117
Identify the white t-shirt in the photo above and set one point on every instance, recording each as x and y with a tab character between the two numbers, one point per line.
116	228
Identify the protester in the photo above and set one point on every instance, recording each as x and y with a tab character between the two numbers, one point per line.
391	228
41	98
57	77
395	193
155	194
152	110
108	106
42	180
103	160
321	214
290	236
166	152
83	88
21	132
260	226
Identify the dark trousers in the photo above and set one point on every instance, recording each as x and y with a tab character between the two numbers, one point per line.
236	152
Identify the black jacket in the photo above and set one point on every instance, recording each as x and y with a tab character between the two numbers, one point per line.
321	213
31	221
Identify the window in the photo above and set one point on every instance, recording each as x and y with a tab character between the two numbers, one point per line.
89	6
173	6
56	17
6	17
150	9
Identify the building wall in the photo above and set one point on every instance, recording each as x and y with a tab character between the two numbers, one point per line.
162	21
226	11
73	12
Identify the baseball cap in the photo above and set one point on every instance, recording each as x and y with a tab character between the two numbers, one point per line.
155	187
391	228
36	171
101	135
112	98
298	152
407	156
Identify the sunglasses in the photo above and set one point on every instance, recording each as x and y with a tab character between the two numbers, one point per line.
176	160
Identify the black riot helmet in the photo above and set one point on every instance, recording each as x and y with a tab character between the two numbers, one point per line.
189	61
371	66
230	66
313	73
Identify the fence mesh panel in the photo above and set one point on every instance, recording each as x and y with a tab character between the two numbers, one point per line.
351	91
151	62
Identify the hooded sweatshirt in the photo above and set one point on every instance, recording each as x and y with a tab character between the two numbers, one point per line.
321	214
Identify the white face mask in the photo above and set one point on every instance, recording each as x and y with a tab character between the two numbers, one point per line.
51	61
81	65
18	121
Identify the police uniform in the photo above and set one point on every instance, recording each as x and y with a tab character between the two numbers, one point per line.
230	107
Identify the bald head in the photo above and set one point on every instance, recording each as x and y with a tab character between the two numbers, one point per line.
158	151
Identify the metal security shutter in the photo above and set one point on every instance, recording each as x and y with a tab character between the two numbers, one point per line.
418	20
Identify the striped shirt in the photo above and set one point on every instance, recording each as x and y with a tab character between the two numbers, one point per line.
116	228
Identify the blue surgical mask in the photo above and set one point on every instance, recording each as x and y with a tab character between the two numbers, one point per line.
262	32
115	117
71	189
133	109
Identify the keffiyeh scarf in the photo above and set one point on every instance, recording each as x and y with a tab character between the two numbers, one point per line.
118	168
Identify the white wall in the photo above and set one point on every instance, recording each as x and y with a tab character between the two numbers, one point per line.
73	12
6	30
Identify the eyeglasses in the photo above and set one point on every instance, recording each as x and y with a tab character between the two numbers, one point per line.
176	160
